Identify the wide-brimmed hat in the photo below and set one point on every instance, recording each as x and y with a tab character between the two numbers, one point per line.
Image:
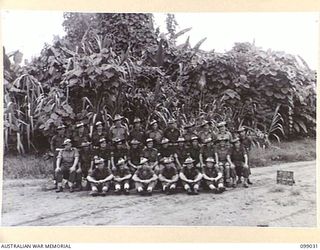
121	161
210	159
136	120
164	141
98	123
79	125
153	122
220	124
189	160
207	140
117	117
149	140
135	142
102	140
194	138
167	160
61	127
98	160
181	139
85	144
118	140
66	141
222	138
241	129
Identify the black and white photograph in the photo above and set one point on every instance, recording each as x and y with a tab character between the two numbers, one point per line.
159	119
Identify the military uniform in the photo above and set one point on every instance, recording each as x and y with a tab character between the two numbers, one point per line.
86	156
156	135
118	153
67	158
150	153
96	136
172	134
191	174
145	173
169	171
137	134
237	158
99	174
134	156
194	153
55	143
213	172
120	173
78	138
206	151
119	132
222	154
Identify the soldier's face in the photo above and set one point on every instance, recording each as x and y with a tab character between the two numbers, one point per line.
137	125
222	143
237	144
165	145
209	164
181	144
101	166
134	145
103	144
195	143
99	127
117	123
206	127
155	126
190	165
119	145
150	144
222	129
121	166
81	129
242	133
61	131
68	146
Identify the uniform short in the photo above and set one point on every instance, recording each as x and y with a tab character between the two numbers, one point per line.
64	173
151	184
240	170
100	186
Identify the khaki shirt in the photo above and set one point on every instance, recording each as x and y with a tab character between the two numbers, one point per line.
120	132
68	156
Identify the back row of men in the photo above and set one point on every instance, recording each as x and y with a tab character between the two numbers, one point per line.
77	158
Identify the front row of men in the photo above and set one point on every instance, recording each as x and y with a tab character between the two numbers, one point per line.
214	174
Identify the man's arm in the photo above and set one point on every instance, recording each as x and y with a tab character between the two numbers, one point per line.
198	178
183	177
206	177
108	178
136	178
91	179
132	165
218	177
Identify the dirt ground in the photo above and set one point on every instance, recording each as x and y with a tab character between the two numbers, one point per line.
25	203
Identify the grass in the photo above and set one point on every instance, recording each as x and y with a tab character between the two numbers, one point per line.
301	150
15	167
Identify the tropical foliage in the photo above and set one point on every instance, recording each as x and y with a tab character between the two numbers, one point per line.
119	63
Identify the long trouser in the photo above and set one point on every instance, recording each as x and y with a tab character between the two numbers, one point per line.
65	173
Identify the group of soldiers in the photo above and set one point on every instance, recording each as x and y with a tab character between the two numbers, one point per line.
119	158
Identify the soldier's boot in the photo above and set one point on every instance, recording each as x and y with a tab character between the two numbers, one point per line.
228	183
189	191
59	189
126	191
195	191
149	191
234	185
249	182
221	188
213	189
239	180
117	191
245	184
94	193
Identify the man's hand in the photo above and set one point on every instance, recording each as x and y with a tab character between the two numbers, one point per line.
58	169
72	169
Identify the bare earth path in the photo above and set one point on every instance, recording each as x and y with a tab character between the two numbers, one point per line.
265	203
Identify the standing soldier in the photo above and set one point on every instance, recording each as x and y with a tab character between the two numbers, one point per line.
120	151
155	133
207	150
56	145
104	151
223	132
145	178
118	130
135	154
165	150
206	132
150	153
189	133
169	176
181	153
137	132
122	177
239	160
194	150
80	135
67	161
190	177
172	133
100	178
98	134
246	141
212	176
222	157
86	157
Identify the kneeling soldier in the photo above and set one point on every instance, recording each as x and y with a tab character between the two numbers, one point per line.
168	176
145	178
212	176
100	178
67	161
239	159
190	176
122	177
